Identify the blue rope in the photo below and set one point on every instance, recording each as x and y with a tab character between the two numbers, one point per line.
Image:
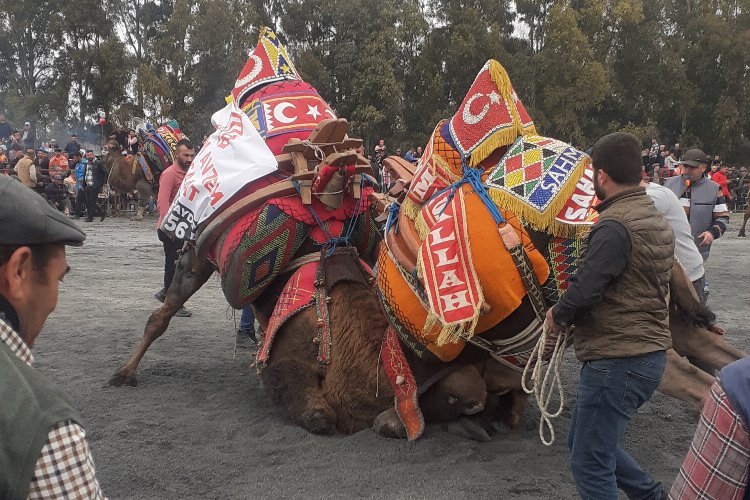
472	176
332	242
392	220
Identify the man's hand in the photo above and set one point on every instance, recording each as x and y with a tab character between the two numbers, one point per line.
706	237
550	321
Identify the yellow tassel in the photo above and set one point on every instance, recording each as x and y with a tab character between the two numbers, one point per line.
501	78
229	99
499	139
410	209
421	226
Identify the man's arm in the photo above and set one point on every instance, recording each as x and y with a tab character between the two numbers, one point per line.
65	466
606	258
166	181
720	220
32	173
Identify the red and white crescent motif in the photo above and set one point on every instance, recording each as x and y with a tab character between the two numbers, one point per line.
278	113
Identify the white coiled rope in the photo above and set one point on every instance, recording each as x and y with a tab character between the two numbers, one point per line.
546	381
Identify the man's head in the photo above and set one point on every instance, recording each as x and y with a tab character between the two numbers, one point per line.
419	151
17	135
90	154
77	156
27	126
398	151
694	163
381	142
32	254
73	138
724	168
19	154
30	152
616	160
2	118
184	154
52	143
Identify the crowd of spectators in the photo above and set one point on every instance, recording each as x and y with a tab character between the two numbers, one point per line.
59	172
661	163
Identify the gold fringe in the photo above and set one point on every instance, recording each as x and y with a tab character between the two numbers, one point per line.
506	136
421	226
229	98
543	221
410	209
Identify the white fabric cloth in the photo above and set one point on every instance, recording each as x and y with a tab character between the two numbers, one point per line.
684	247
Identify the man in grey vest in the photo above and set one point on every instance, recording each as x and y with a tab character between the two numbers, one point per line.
617	302
43	448
702	199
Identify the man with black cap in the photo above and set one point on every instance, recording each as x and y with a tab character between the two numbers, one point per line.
704	204
43	448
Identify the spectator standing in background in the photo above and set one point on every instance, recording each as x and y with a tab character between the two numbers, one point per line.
5	130
72	147
27	136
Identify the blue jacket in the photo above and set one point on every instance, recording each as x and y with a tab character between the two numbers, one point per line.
81	173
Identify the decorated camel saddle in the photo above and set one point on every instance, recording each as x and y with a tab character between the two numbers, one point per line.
157	148
493	215
308	190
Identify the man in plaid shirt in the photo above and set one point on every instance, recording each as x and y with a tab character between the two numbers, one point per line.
43	448
717	462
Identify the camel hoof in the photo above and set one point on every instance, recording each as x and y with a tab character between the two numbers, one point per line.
136	218
387	424
318	421
123	378
467	428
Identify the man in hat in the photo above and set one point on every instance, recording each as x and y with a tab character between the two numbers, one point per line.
704	204
617	301
26	170
43	448
27	136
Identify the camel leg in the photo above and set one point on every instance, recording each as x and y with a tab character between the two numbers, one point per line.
144	193
744	222
684	381
190	275
703	345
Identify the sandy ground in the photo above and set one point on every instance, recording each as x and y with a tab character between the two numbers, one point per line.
200	426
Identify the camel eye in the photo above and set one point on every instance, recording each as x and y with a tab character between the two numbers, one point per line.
452	400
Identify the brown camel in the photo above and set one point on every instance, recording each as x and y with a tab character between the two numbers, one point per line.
126	176
744	181
343	397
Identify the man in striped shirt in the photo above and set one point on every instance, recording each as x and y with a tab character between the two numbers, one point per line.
43	448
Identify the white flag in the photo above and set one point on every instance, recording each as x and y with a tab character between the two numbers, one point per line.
234	155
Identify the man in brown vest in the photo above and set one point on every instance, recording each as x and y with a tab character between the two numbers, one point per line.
43	448
26	170
617	303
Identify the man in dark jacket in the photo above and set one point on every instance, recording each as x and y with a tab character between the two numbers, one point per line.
617	302
43	448
94	178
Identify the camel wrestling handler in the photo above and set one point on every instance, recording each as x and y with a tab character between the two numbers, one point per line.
43	448
618	303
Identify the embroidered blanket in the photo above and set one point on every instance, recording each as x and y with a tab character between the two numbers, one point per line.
537	179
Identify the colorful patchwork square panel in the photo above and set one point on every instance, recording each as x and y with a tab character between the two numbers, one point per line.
536	176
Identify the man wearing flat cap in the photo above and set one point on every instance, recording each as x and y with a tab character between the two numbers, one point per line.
704	204
43	448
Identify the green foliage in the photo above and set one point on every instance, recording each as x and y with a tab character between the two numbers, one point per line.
669	69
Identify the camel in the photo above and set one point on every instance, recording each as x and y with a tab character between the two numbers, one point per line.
342	397
126	176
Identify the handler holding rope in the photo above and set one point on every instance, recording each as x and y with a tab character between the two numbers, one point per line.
618	302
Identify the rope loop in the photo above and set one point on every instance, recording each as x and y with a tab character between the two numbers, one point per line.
546	382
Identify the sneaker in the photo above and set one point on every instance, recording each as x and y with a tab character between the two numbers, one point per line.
183	313
160	295
245	338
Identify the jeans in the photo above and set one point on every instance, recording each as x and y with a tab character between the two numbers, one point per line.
609	393
247	319
700	286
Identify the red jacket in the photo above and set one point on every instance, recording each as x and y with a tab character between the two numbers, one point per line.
719	178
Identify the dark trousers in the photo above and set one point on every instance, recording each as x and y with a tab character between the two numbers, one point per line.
92	196
80	201
171	247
